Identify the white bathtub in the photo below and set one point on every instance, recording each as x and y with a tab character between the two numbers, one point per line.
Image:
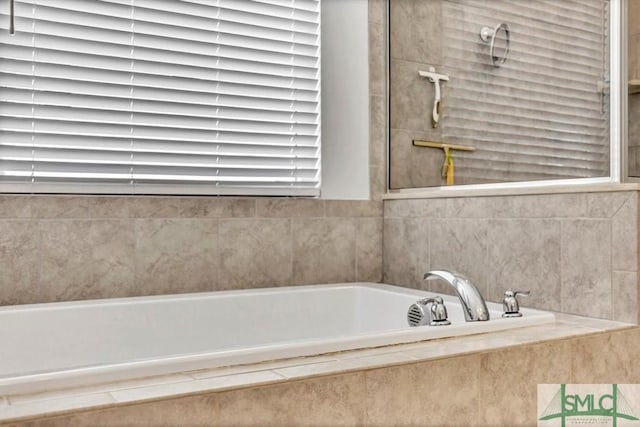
58	345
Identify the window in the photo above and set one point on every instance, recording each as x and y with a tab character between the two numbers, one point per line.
161	97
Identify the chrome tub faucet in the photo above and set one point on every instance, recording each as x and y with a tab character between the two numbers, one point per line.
473	304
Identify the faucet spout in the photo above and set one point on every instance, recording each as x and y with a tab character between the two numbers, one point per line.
473	305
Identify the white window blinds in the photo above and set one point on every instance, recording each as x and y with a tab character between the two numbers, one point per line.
161	97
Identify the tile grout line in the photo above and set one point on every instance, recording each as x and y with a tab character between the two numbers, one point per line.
429	250
562	274
611	256
357	240
291	244
218	283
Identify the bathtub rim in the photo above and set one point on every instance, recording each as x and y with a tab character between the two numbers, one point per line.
78	377
146	390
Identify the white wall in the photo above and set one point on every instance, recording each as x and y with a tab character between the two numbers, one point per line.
345	99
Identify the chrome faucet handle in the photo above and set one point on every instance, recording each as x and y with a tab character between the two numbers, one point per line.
437	311
510	303
432	300
439	316
435	316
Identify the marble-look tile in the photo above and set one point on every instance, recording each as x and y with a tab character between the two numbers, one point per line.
84	259
217	207
406	251
634	18
196	386
290	208
337	400
550	331
437	393
100	388
197	411
275	365
324	250
111	207
632	57
377	182
377	131
606	358
632	161
378	356
353	208
624	296
414	208
345	364
586	267
476	207
525	206
434	349
60	206
416	31
509	379
634	111
377	60
411	111
447	347
19	259
377	12
153	207
590	322
175	255
254	253
330	401
369	250
460	245
403	208
55	406
624	236
606	204
314	369
544	206
15	206
524	254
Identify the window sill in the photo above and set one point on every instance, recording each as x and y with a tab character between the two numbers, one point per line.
516	189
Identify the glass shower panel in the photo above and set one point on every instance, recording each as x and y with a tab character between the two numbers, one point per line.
542	114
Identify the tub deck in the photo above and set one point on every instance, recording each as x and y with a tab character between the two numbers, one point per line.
79	343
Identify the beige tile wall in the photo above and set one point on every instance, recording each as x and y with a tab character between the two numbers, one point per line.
55	248
634	100
416	44
378	97
577	253
634	135
496	388
634	39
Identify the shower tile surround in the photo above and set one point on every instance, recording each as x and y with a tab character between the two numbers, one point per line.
577	253
634	98
479	100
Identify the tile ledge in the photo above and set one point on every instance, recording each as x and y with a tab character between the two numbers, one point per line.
67	401
470	191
